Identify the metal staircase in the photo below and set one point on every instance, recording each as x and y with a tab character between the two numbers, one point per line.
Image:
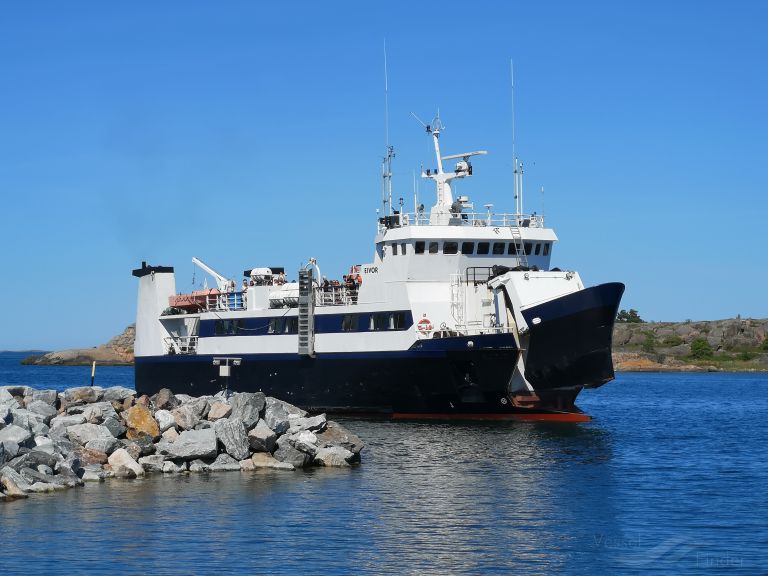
306	314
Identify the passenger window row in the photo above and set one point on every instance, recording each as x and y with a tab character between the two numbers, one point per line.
480	248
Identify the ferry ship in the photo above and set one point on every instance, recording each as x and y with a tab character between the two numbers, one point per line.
458	315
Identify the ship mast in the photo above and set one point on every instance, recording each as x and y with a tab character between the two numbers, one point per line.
386	164
444	210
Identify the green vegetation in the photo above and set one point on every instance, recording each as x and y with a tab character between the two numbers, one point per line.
631	317
673	340
700	349
649	343
765	344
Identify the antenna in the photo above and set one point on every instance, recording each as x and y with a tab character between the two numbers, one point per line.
420	121
386	165
386	98
518	207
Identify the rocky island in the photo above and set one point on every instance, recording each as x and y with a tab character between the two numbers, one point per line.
117	352
51	441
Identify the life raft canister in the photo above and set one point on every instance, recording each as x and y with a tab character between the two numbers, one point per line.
424	325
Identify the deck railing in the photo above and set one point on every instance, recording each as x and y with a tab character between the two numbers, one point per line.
490	219
335	296
181	344
225	301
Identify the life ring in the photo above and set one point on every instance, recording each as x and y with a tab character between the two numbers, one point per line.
424	325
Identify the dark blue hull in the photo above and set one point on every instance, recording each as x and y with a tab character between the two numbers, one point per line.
434	376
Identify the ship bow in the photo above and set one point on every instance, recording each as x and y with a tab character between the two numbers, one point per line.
569	344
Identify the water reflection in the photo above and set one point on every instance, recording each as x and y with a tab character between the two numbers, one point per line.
430	498
669	486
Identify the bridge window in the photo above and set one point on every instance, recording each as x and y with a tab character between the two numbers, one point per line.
402	248
433	247
483	247
292	325
467	247
546	248
512	249
394	249
498	247
538	248
349	322
528	248
398	320
419	247
450	247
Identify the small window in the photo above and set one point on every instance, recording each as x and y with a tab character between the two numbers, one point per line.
467	247
450	247
394	249
483	247
402	248
380	321
419	247
512	249
546	248
219	328
528	248
349	322
292	325
433	247
398	321
498	247
538	249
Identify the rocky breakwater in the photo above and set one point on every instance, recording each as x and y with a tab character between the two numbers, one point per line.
51	441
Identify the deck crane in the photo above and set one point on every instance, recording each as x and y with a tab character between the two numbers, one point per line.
222	283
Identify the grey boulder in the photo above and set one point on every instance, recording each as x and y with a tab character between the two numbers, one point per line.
118	393
66	421
262	438
232	435
47	396
290	455
165	420
336	435
84	433
106	445
186	416
43	409
152	464
190	445
224	463
264	460
171	467
335	456
115	427
16	434
313	424
246	406
121	462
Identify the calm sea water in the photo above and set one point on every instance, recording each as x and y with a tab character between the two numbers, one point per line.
671	477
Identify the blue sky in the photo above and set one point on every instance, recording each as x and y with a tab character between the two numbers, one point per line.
251	134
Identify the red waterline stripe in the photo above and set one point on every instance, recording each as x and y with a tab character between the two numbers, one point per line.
541	417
